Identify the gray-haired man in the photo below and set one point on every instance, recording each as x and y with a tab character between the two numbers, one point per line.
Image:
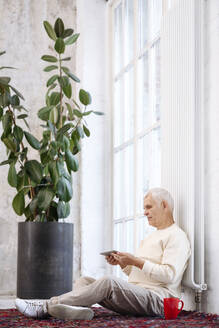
154	272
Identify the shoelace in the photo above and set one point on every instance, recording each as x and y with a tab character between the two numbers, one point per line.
33	305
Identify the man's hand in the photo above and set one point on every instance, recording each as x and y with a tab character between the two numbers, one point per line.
124	259
111	260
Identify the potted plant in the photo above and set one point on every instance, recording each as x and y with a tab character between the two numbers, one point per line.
44	184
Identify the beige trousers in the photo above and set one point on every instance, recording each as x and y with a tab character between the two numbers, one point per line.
112	293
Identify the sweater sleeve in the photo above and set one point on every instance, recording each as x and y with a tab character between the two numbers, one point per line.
173	264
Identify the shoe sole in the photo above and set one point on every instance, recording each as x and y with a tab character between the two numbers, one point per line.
67	312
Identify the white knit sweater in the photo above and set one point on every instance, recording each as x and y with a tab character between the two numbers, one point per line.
166	253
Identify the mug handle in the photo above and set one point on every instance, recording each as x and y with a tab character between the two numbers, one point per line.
179	310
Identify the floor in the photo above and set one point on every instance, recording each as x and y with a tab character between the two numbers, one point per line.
7	302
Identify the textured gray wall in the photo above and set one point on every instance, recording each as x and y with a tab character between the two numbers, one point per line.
23	36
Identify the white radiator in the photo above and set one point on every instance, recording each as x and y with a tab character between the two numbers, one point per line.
181	125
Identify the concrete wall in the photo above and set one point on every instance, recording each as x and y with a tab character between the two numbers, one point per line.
23	36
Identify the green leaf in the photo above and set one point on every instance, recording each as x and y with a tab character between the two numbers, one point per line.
20	182
76	104
18	133
75	139
17	92
2	53
5	79
7	67
32	140
67	91
33	205
67	32
64	129
28	214
65	69
59	27
63	210
34	170
71	161
54	115
87	113
98	113
27	125
86	131
44	198
60	167
7	123
66	142
72	39
70	111
85	97
64	189
49	58
10	144
22	116
77	113
12	176
52	212
72	76
50	68
66	59
51	127
19	203
51	80
24	154
60	46
55	98
44	112
8	161
44	157
5	99
50	31
80	131
63	81
15	101
53	171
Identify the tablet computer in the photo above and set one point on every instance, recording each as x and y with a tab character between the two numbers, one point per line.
106	253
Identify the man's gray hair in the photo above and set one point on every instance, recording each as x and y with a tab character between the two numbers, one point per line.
160	194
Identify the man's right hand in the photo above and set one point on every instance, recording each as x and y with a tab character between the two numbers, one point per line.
111	260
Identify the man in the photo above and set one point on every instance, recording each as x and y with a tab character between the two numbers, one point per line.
154	273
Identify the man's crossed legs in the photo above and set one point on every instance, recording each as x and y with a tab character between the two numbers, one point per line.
110	292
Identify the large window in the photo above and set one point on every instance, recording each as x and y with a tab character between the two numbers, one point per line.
136	115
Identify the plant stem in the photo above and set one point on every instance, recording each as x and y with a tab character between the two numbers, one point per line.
60	72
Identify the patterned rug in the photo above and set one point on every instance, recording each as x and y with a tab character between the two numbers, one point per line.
104	318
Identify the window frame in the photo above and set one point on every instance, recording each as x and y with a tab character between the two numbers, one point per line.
112	4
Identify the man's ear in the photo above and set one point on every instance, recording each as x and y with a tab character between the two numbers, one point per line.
164	204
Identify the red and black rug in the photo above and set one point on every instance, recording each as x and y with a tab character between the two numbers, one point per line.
104	318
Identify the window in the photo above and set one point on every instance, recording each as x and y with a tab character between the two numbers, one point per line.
136	116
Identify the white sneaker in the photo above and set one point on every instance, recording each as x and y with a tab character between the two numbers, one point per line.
68	312
32	309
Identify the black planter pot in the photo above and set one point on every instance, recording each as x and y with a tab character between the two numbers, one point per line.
45	259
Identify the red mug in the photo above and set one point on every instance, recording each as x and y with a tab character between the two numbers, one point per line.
171	307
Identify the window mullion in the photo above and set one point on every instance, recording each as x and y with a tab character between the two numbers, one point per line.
123	124
135	85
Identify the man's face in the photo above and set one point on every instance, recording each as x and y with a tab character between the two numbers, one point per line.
153	211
